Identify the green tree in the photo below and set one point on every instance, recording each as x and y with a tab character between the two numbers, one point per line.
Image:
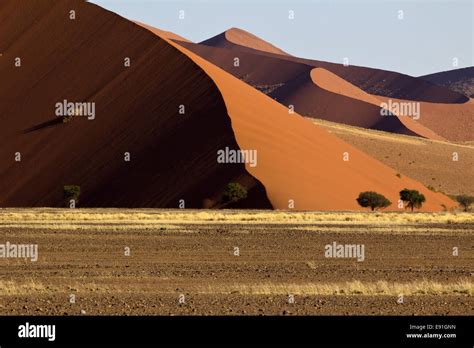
412	198
465	201
72	192
234	192
373	200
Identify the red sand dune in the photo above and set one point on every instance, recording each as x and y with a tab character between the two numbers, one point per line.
373	81
236	38
287	79
451	121
173	156
290	83
332	83
322	94
299	161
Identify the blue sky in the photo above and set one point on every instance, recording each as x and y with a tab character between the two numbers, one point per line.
433	35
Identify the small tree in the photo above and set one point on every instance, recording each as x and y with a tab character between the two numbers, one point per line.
412	198
72	192
373	200
234	192
465	201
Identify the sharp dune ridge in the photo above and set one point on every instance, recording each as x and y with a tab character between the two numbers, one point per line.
166	34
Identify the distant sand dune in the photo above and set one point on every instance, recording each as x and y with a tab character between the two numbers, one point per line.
240	39
451	121
331	82
287	79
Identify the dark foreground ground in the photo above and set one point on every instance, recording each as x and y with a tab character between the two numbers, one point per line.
185	268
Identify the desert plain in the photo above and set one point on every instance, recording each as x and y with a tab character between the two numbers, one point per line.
231	262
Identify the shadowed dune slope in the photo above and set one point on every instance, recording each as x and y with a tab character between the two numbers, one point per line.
458	80
301	162
172	156
239	39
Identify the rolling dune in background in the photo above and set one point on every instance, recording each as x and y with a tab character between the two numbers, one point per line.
445	113
323	95
454	122
332	83
373	81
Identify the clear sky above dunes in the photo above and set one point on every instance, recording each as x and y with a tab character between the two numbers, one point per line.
431	37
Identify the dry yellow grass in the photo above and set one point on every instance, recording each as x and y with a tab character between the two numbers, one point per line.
13	288
95	226
122	219
378	288
381	135
369	133
355	287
